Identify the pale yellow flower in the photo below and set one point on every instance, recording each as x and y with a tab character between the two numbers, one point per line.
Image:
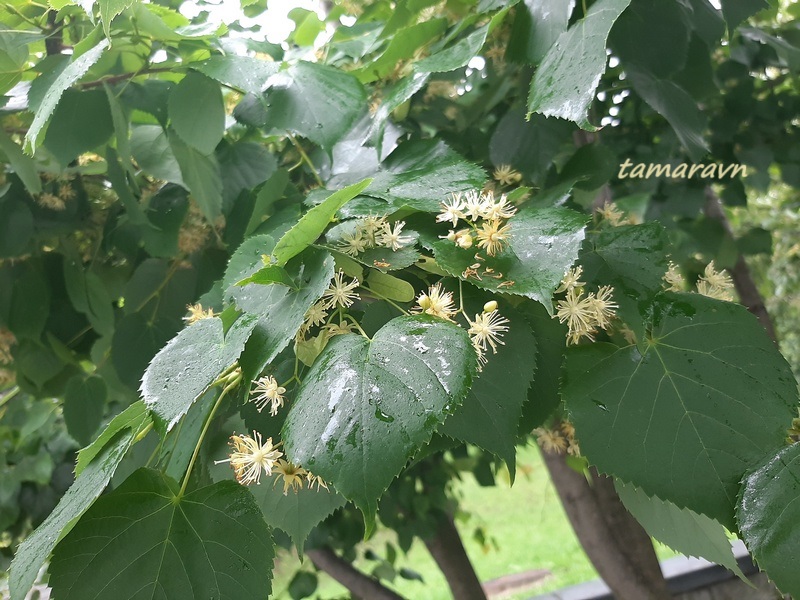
51	201
340	293
492	236
452	210
293	476
341	328
487	328
353	243
715	284
506	175
436	302
550	441
267	391
7	341
571	280
463	239
196	313
250	456
604	306
579	313
497	209
316	315
673	277
391	236
474	205
315	479
610	212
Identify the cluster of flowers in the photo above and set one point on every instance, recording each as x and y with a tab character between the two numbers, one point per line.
340	294
486	216
558	440
712	283
583	313
374	232
611	213
251	456
485	330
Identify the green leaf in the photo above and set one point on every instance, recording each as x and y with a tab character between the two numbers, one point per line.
135	417
22	164
201	175
456	56
632	259
316	101
678	415
489	416
422	174
110	9
677	107
681	529
736	11
399	93
367	405
81	122
767	514
212	542
281	310
390	287
537	25
90	483
269	275
89	296
243	165
384	259
544	244
137	339
313	223
189	363
84	401
565	83
403	45
121	129
296	513
197	112
154	155
245	73
73	71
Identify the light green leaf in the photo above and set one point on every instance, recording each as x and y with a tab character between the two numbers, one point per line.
403	45
189	363
565	83
767	514
212	542
390	287
84	401
201	176
456	56
135	418
684	418
677	107
110	9
269	275
197	112
316	101
245	73
681	529
313	223
121	132
22	164
296	513
90	483
489	416
367	405
544	243
74	71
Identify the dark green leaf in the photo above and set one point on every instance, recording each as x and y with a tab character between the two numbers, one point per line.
269	275
296	513
23	165
212	542
189	363
490	414
544	244
243	165
303	585
135	417
315	101
565	83
89	296
81	122
767	516
84	401
537	26
136	341
91	482
399	93
313	223
201	175
197	112
677	107
736	11
402	45
245	73
69	75
687	413
366	406
681	529
151	149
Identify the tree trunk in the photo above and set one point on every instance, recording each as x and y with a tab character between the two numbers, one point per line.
360	585
447	550
741	275
617	545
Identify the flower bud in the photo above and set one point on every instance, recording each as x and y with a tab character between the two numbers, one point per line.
490	306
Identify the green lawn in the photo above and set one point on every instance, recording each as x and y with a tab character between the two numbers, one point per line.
526	521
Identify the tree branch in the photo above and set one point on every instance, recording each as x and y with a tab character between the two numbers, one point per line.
354	580
741	275
617	545
448	551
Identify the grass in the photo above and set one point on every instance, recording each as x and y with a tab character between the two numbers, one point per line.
526	523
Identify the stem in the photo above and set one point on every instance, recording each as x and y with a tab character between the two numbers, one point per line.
13	392
232	380
376	296
125	76
306	159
